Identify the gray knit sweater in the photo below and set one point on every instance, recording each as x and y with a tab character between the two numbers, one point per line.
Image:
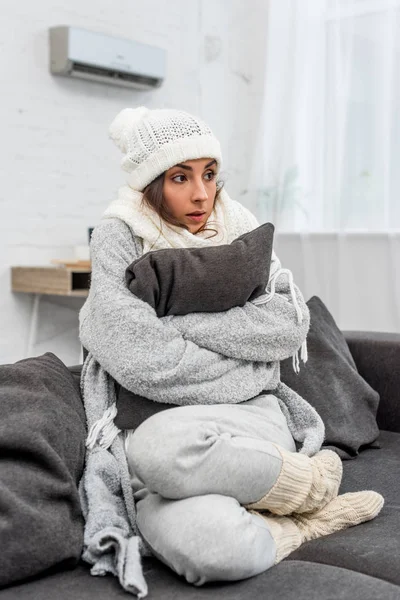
199	358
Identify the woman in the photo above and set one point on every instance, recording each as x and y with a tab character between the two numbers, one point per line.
217	490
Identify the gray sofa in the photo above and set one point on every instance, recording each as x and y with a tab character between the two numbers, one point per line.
360	563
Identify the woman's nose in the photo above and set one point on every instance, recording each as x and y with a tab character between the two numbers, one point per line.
199	191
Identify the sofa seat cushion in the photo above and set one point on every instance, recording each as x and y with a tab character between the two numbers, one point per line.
358	563
290	580
377	469
372	548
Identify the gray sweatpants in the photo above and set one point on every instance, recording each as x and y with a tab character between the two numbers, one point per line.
192	470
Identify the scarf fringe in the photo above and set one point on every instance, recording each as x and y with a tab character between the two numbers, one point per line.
304	352
268	297
104	431
272	282
303	356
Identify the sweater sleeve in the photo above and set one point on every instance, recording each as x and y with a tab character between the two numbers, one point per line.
141	352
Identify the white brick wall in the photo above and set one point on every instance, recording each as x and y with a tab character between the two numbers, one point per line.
58	170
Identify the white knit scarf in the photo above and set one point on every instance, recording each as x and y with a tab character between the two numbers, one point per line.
229	218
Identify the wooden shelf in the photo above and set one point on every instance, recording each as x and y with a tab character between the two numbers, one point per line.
57	281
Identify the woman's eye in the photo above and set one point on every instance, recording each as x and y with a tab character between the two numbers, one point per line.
211	175
179	178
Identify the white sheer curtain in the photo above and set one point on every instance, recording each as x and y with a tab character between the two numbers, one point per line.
326	168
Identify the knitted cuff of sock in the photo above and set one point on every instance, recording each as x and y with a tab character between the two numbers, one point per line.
327	472
292	486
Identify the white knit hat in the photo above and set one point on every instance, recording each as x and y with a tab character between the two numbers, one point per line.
155	140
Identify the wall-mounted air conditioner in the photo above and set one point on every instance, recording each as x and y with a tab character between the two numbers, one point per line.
76	52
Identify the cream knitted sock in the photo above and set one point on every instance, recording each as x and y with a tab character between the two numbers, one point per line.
304	484
342	512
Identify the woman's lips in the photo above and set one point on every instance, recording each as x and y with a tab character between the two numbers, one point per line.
198	217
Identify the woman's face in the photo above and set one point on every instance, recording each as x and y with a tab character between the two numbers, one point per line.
189	191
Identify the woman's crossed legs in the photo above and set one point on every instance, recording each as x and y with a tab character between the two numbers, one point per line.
194	469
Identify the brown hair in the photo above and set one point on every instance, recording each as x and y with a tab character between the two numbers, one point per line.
154	198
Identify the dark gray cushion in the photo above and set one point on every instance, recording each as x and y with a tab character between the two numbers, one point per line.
178	281
133	409
330	382
42	448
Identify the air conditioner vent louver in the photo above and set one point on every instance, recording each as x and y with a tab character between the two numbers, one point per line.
116	75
